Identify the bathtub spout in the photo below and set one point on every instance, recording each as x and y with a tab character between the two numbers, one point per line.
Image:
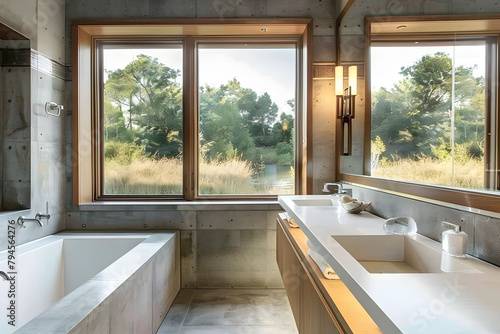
4	276
21	220
39	216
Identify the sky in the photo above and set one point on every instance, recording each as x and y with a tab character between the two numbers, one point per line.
386	71
263	70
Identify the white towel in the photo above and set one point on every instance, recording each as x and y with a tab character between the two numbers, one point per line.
311	246
325	268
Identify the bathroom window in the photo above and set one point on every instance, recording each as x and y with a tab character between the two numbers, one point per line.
428	112
142	113
217	113
246	118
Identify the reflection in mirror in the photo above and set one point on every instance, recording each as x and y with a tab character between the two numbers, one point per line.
15	102
428	112
431	130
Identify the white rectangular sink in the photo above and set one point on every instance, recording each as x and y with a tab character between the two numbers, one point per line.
316	202
399	254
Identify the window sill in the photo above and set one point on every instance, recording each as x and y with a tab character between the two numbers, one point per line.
181	206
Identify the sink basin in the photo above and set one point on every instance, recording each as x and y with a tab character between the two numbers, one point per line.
399	254
316	202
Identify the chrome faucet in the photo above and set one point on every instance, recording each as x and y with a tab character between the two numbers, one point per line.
21	220
4	275
40	215
338	184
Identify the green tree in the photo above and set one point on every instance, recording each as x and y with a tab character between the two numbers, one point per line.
283	129
413	117
114	123
153	99
470	111
259	114
377	148
431	83
221	124
391	118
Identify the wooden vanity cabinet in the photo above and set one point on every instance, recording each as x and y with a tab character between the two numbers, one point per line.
319	306
315	316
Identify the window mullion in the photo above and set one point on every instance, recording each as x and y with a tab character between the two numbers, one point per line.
190	120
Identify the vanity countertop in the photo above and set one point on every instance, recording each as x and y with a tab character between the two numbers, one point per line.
438	302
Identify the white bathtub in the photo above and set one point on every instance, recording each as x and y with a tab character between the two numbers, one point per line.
66	281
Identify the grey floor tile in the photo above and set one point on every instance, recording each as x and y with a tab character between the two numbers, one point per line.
239	307
238	330
231	311
177	312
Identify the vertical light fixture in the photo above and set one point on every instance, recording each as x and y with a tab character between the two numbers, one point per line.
346	100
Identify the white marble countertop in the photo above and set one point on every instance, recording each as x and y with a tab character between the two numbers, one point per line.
444	302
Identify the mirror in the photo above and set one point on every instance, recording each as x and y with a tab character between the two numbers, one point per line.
430	108
15	120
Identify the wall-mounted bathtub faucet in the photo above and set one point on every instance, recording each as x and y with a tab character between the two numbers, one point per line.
39	216
21	220
4	275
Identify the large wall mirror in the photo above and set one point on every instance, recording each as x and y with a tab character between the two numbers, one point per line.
15	119
431	115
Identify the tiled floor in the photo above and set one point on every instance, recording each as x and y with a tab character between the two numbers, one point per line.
229	311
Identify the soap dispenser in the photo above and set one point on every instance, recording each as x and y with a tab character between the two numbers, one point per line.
454	241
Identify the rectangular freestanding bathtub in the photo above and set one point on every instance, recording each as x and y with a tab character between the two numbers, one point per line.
90	283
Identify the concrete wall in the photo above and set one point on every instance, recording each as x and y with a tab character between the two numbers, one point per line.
44	140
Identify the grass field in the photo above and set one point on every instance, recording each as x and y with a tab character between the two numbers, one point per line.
468	174
147	176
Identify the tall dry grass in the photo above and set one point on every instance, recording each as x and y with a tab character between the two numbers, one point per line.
146	176
468	174
143	176
219	177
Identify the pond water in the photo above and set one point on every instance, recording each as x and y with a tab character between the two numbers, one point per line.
278	178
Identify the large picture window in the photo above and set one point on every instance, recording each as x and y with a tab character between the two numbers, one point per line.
191	109
246	118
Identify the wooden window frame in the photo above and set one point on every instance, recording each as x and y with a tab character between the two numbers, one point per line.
87	163
384	28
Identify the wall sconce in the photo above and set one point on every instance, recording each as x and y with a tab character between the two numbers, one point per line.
346	104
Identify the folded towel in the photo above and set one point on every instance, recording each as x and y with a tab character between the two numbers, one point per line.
290	220
292	223
311	246
325	268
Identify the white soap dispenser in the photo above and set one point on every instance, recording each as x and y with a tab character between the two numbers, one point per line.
454	241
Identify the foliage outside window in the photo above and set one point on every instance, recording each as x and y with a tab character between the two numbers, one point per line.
428	112
142	121
246	135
